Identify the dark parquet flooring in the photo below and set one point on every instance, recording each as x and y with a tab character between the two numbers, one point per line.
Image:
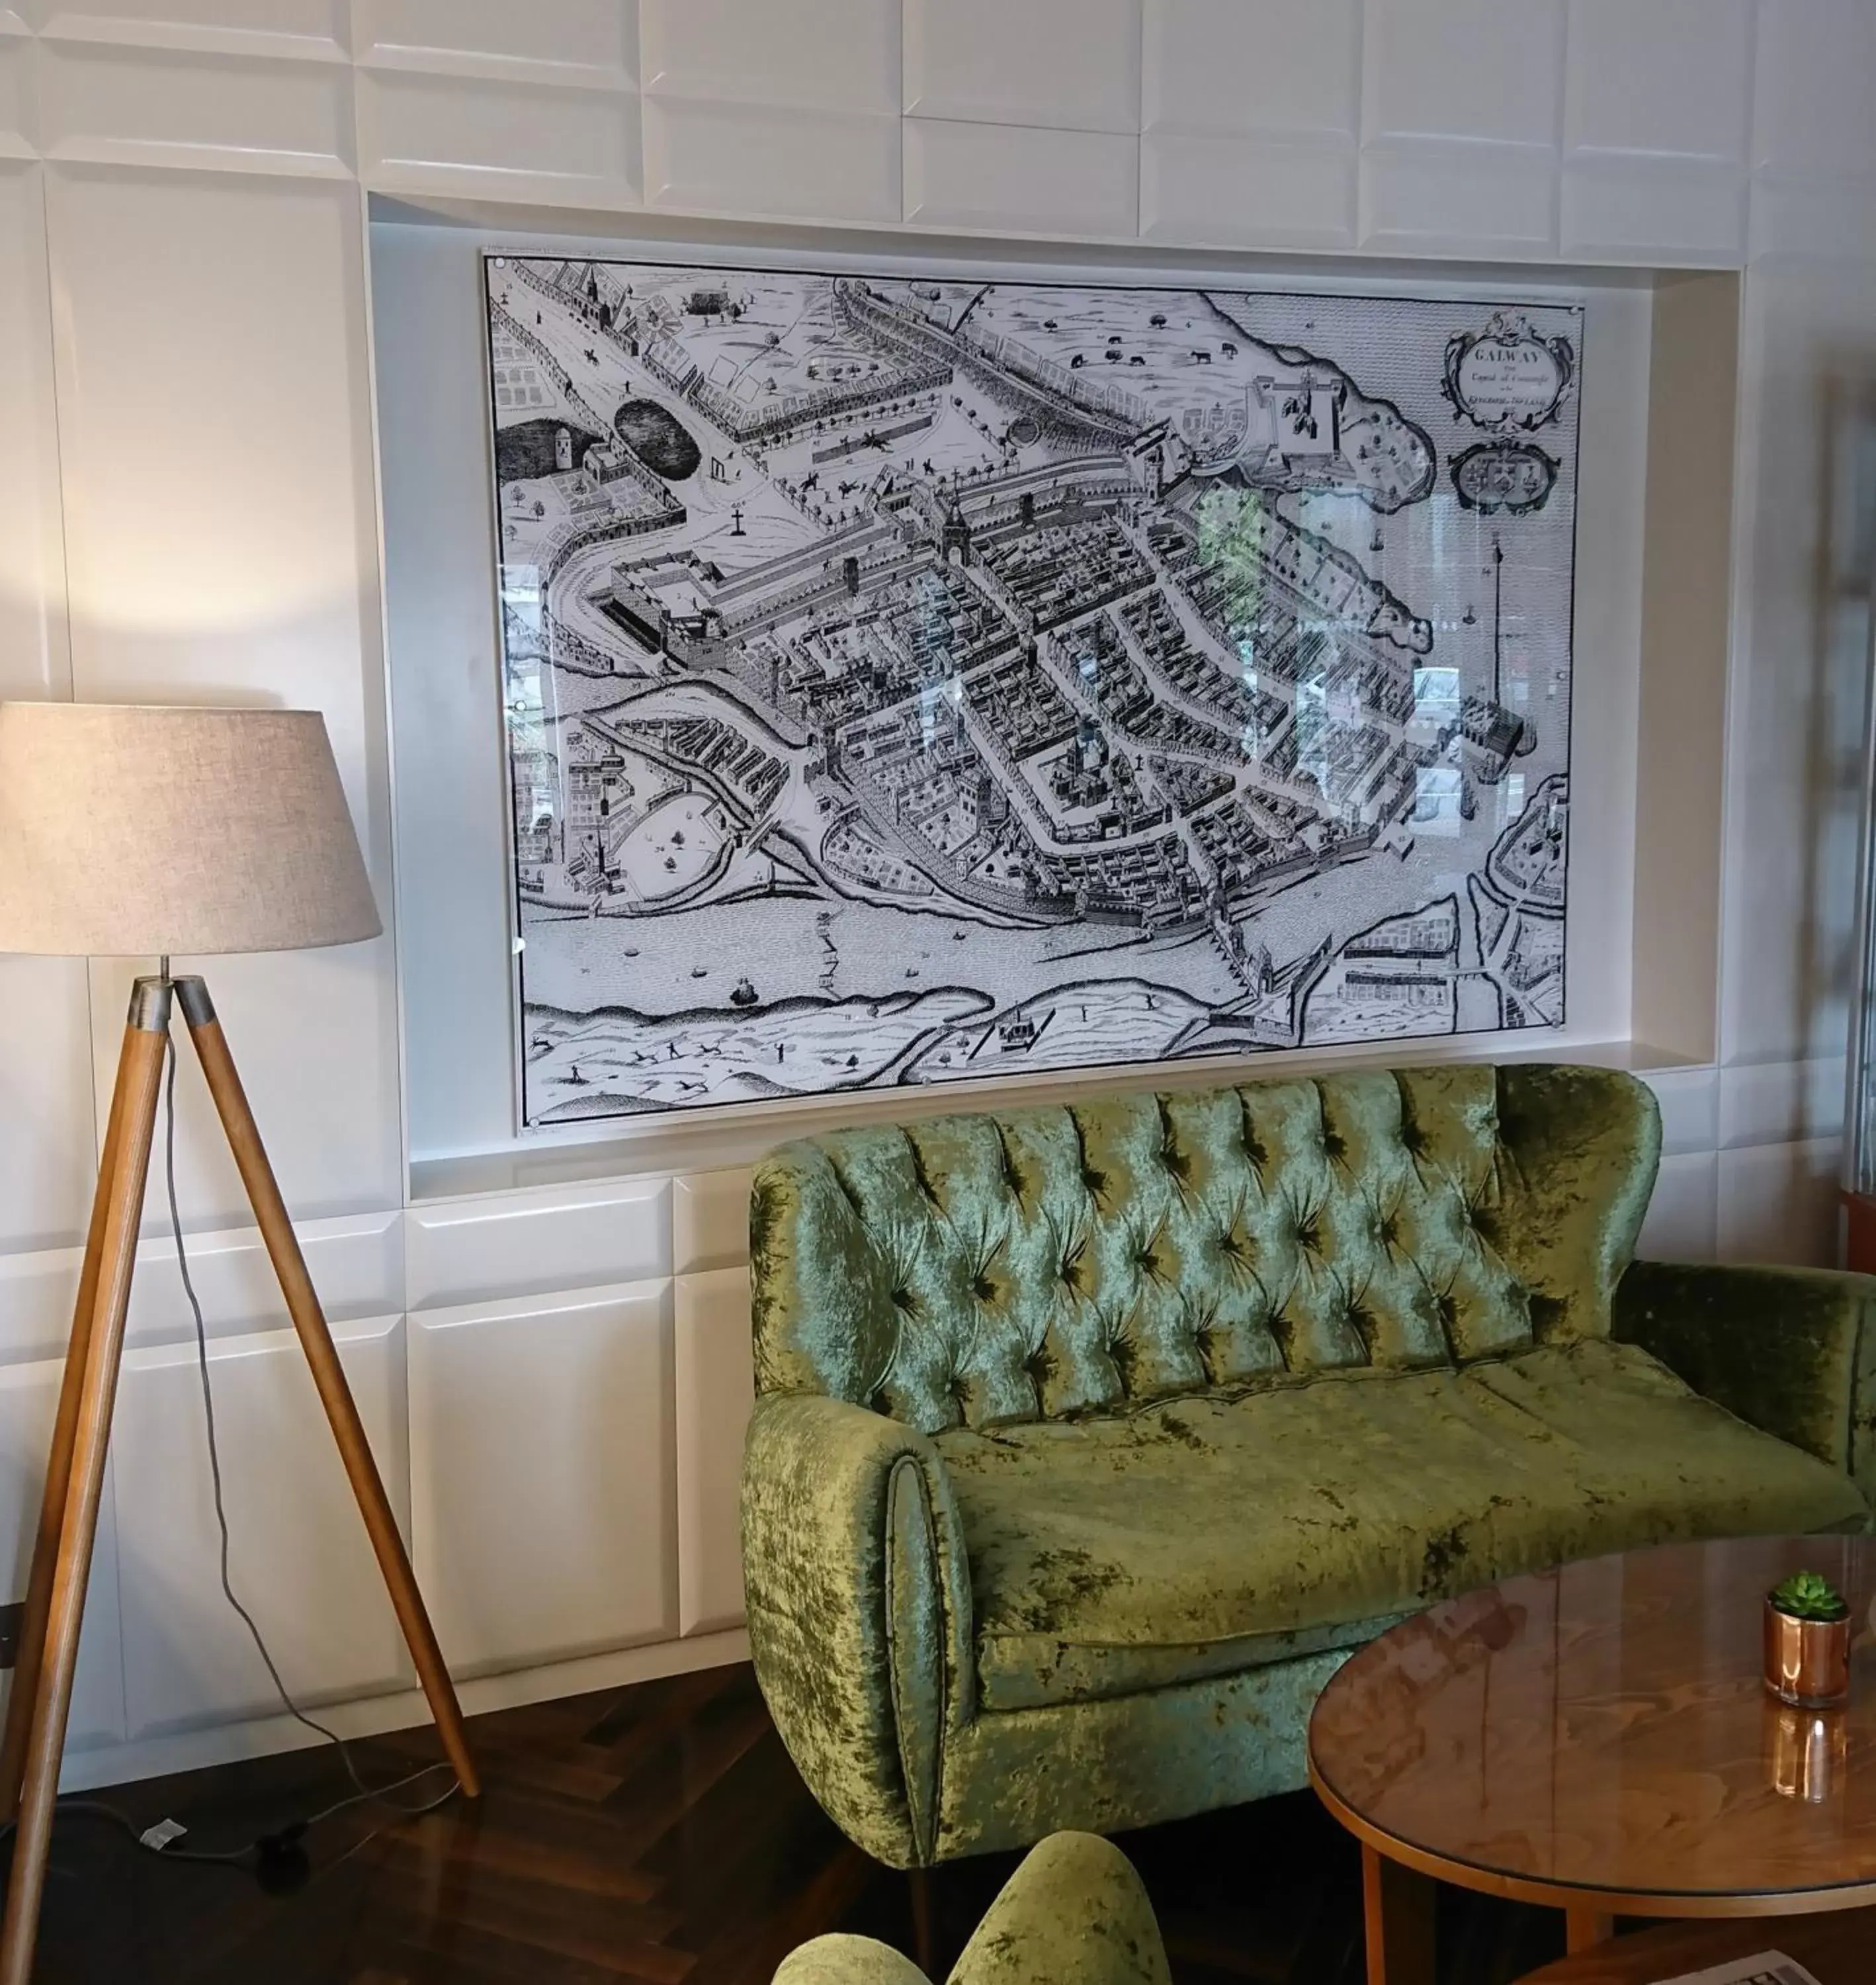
657	1833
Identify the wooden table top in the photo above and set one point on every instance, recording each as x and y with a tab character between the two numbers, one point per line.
1837	1949
1599	1736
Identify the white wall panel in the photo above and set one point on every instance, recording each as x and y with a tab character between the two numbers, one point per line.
710	1220
461	135
299	1559
1690	1102
219	532
1780	1103
18	125
555	41
314	28
1073	63
240	284
1486	199
470	1251
1834	220
1815	58
357	1265
168	107
1779	1203
28	1398
782	163
1004	179
543	1523
46	1169
1251	68
1472	69
1682	1216
37	1292
1639	210
1663	79
829	55
716	1389
1228	192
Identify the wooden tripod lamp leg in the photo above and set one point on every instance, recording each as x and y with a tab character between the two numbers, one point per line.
30	1656
309	1320
120	1191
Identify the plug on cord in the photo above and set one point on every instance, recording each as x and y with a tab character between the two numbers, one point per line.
281	1864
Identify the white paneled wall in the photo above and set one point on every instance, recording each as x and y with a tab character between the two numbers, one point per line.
542	1480
716	1388
307	1570
477	1249
556	1377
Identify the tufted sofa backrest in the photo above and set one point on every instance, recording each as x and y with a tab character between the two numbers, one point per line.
1083	1258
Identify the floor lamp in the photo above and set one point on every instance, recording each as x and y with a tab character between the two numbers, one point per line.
136	831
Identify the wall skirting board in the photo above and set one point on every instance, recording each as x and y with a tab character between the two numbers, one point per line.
262	1737
550	1346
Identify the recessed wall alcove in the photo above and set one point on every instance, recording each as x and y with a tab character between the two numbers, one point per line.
1650	634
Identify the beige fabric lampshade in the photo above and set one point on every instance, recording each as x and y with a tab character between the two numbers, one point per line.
128	830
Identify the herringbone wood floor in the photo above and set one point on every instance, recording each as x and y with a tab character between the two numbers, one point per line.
658	1834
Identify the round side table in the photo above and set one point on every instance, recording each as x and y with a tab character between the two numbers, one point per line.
1597	1739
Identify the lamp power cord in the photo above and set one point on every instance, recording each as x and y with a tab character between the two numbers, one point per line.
277	1858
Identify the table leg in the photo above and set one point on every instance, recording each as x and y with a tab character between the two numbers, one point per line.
1583	1929
1397	1909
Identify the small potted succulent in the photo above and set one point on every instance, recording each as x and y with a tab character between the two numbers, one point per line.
1807	1642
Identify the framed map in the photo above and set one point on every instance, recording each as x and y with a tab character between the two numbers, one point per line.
917	680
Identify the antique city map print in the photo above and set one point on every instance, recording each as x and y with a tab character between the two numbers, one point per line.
918	680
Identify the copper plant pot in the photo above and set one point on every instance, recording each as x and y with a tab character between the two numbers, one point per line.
1807	1661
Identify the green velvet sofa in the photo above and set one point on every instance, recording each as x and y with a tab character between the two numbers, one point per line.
1074	1913
1090	1439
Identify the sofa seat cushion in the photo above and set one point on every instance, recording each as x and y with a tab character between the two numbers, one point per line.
1207	1534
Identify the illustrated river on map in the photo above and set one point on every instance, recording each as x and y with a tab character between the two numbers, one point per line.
918	681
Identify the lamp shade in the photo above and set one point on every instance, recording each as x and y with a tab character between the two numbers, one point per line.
128	831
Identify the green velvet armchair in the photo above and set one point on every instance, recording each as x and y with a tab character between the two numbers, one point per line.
1074	1913
1090	1440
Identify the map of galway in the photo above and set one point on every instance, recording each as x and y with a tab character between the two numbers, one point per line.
916	681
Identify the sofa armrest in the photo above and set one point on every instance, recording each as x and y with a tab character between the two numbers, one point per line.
858	1596
1790	1351
1074	1910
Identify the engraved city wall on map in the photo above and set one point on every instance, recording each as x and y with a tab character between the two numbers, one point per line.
910	681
